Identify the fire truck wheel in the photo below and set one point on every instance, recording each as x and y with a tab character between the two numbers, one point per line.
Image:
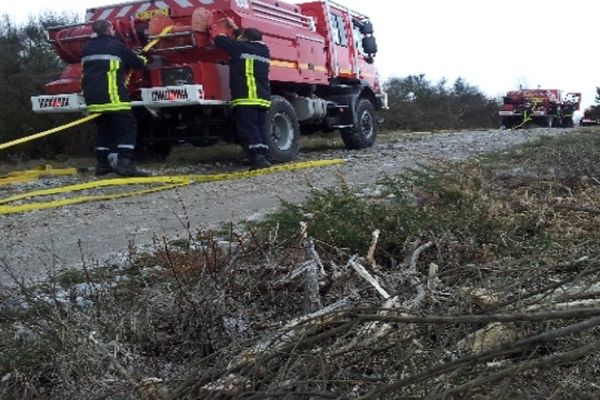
283	130
362	135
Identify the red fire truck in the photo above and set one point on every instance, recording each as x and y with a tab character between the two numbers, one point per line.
322	75
543	107
591	116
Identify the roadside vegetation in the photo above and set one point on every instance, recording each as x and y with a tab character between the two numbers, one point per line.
418	104
478	279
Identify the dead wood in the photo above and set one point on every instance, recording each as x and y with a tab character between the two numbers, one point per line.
312	297
552	361
481	319
288	332
578	209
375	330
371	252
363	273
478	358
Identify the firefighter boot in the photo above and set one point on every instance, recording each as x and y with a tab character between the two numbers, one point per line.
126	167
103	167
258	161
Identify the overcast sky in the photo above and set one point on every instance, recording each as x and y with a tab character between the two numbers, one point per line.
494	45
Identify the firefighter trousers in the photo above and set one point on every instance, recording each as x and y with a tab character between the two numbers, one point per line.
117	132
251	129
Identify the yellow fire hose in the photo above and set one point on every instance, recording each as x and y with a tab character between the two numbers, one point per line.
165	182
526	119
154	41
48	132
35	174
527	115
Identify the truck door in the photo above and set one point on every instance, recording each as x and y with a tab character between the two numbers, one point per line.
343	42
363	62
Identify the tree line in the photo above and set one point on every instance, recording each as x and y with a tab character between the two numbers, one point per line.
417	103
28	62
593	112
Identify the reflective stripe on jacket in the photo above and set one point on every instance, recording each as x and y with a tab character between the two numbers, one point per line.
248	72
106	62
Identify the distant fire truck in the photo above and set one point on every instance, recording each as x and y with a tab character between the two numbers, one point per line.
591	116
322	75
543	107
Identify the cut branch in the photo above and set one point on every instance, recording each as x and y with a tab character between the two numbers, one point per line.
491	354
481	319
548	362
360	270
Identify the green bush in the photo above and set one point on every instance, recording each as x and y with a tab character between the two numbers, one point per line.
418	104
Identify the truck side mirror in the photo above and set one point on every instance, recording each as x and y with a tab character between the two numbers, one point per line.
369	45
366	28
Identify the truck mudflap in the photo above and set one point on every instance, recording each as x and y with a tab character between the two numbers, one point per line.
152	98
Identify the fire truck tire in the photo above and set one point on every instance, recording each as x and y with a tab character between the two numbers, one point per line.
283	131
362	135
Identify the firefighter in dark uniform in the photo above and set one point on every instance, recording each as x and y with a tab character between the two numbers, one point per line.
106	62
250	89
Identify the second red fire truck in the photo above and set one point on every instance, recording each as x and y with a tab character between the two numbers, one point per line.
543	107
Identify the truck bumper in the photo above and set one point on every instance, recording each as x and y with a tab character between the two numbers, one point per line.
509	114
519	114
152	98
60	103
382	98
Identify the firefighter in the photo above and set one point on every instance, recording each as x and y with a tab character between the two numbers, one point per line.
250	90
106	62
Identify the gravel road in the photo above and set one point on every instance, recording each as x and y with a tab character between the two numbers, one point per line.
31	243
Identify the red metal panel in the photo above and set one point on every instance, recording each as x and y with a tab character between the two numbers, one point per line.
69	82
552	95
298	37
214	78
316	10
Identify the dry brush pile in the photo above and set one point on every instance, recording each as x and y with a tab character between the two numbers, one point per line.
478	280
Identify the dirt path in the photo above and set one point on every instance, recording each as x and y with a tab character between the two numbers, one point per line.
33	242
